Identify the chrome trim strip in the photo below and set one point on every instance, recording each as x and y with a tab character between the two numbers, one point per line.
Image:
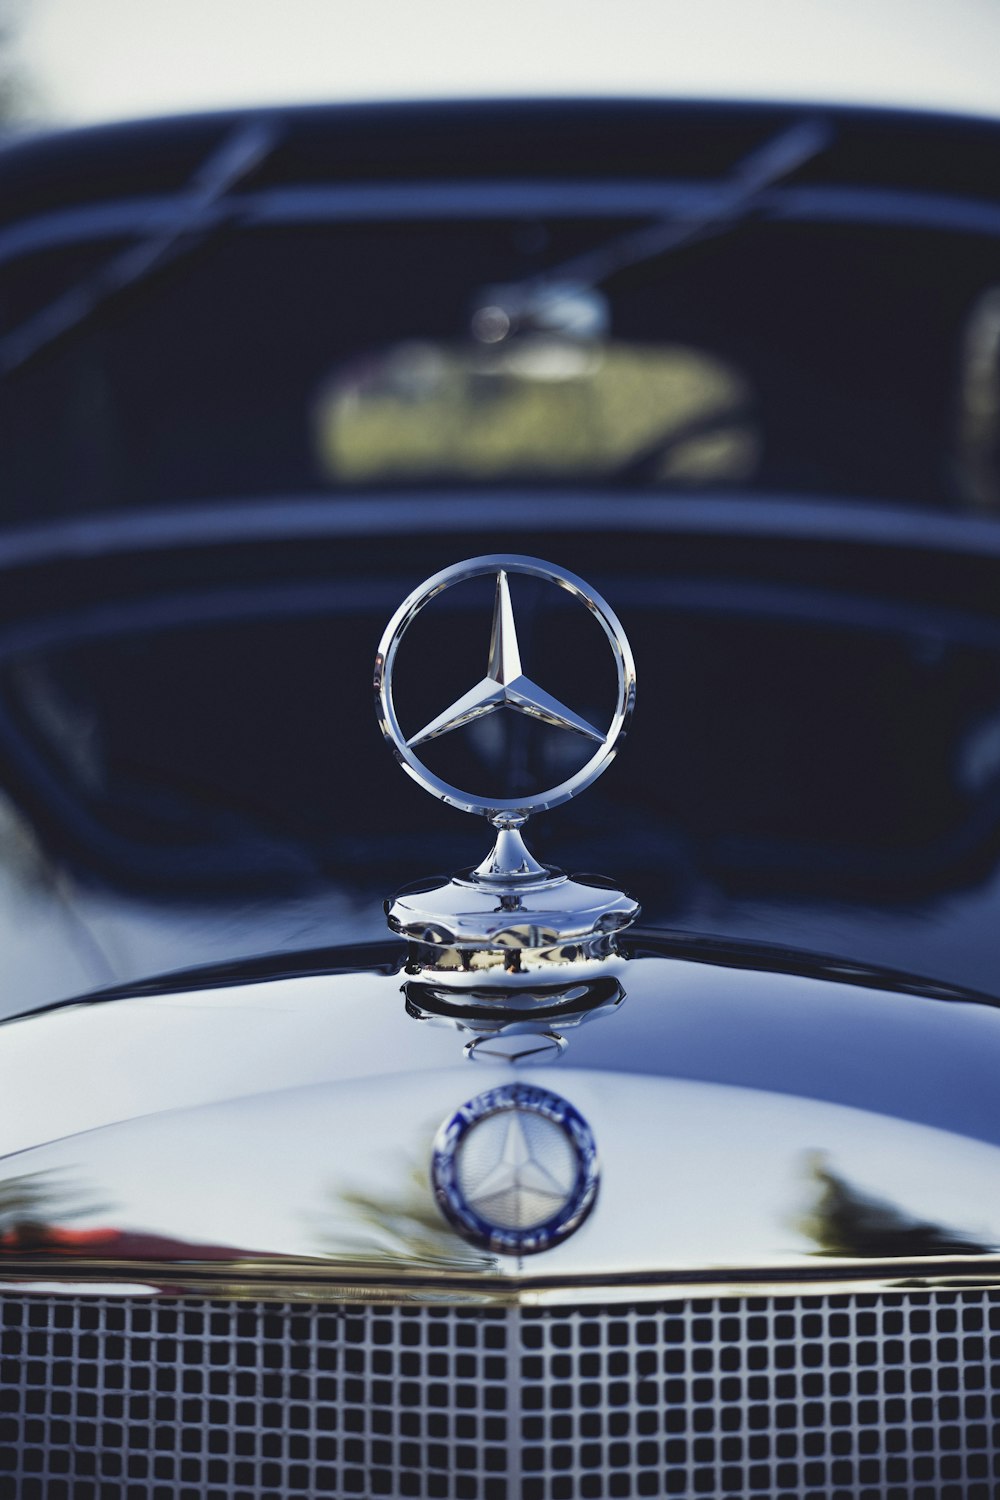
471	199
296	517
306	1282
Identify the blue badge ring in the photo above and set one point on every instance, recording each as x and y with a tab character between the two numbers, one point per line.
523	1099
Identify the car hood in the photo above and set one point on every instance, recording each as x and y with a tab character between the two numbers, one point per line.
749	1122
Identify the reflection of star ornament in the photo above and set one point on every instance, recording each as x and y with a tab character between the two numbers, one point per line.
520	1189
505	685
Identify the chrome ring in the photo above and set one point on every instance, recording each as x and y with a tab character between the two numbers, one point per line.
512	1100
512	807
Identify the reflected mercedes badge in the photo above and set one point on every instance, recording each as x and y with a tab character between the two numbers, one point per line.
515	1169
511	914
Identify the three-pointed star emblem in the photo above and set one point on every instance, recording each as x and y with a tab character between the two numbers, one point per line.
505	686
518	1188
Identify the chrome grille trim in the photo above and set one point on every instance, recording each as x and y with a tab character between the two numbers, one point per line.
873	1396
283	1279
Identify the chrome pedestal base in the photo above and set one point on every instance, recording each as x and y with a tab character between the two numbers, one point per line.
512	922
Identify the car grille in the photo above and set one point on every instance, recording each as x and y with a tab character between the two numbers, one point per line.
870	1395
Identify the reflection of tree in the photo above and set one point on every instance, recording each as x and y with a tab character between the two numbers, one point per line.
845	1220
32	1205
394	1229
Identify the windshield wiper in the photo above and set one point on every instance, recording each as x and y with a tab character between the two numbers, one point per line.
240	152
566	298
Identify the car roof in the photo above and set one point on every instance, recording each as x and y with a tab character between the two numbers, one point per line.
460	140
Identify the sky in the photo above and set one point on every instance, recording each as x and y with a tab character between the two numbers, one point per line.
92	60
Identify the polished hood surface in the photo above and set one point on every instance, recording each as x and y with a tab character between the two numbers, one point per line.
747	1121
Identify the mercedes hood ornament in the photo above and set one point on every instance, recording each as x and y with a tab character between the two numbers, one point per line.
510	917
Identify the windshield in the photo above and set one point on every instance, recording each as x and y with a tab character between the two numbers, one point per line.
827	360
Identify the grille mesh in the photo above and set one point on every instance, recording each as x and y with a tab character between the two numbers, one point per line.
867	1396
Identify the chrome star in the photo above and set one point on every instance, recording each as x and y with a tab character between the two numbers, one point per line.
531	1180
505	686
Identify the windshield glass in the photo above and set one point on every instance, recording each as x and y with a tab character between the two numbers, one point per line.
780	358
540	406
